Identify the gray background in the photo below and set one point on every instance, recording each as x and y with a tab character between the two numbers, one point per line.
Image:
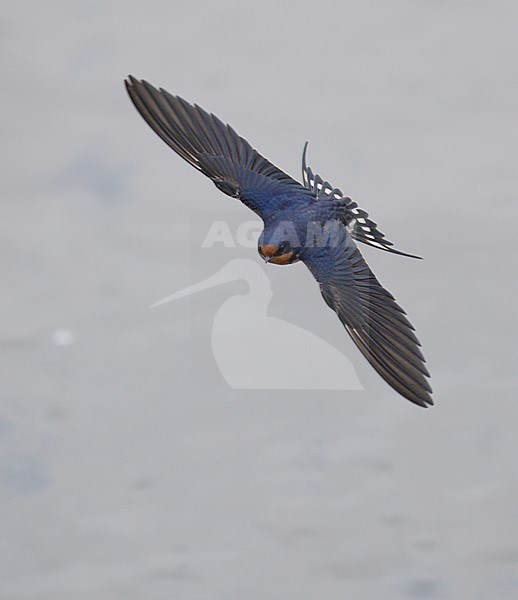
128	470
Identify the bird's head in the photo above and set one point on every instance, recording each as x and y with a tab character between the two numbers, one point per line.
278	249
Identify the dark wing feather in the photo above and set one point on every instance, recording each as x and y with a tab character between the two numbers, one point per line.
360	226
371	316
212	147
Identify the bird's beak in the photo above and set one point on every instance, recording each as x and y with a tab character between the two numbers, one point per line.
267	258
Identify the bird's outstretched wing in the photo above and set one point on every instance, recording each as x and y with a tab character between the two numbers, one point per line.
370	314
213	148
360	226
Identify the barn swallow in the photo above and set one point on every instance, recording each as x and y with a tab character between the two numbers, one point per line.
312	222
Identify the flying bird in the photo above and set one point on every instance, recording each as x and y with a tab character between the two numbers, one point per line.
313	222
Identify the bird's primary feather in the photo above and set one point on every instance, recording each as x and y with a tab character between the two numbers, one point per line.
371	316
213	148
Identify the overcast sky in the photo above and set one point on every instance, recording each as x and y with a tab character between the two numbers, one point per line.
129	469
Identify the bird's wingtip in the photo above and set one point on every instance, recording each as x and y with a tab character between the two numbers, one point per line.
131	81
421	402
